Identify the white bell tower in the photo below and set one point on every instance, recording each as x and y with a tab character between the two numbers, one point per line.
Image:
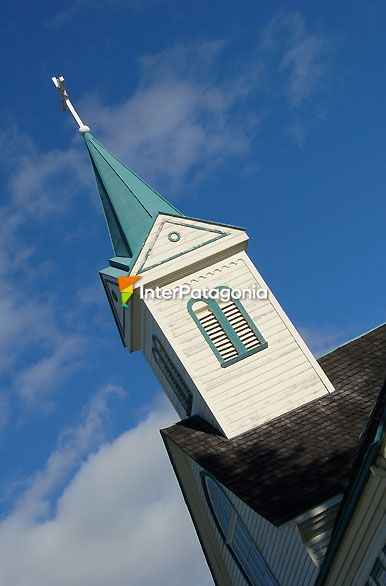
237	363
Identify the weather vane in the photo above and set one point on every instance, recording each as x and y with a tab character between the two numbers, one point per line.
66	103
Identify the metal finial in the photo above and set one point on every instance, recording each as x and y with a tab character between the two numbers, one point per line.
66	103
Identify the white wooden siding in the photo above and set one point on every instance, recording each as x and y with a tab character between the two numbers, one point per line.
254	389
190	250
149	328
365	535
316	528
282	548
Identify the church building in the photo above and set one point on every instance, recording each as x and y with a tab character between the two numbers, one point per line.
280	457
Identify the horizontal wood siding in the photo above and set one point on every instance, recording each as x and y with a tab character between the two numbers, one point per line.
316	528
223	568
366	533
257	388
282	548
150	327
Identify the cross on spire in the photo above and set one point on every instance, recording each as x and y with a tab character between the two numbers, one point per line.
67	105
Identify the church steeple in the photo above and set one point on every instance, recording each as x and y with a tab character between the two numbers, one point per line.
130	205
220	351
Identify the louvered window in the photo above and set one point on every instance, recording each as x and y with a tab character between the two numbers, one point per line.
215	331
172	375
246	334
236	536
227	328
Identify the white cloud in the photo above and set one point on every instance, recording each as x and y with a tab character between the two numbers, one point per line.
35	351
45	183
323	339
20	324
298	133
4	408
302	54
306	68
120	520
33	382
40	183
182	121
76	8
193	110
74	443
35	354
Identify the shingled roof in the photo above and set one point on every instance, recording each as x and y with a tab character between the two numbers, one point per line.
302	458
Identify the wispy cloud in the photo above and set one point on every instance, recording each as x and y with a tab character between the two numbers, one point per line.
73	445
40	185
37	354
124	498
193	112
4	408
184	118
76	8
302	55
323	339
300	61
34	382
35	351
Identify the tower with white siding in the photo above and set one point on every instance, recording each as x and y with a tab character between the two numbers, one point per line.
240	362
258	452
265	447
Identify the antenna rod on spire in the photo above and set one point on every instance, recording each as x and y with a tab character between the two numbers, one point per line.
66	103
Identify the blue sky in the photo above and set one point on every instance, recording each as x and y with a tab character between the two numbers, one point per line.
265	115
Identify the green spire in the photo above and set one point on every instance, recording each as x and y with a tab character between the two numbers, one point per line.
129	204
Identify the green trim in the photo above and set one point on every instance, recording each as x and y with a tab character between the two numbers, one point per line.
112	272
125	263
220	234
352	500
204	475
202	329
173	377
203	542
174	236
225	324
210	222
251	324
244	355
121	327
121	262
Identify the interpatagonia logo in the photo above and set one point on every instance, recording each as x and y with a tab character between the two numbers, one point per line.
126	288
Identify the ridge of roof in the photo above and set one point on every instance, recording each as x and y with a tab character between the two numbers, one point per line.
351	340
266	466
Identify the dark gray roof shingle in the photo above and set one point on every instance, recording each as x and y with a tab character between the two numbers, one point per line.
302	458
